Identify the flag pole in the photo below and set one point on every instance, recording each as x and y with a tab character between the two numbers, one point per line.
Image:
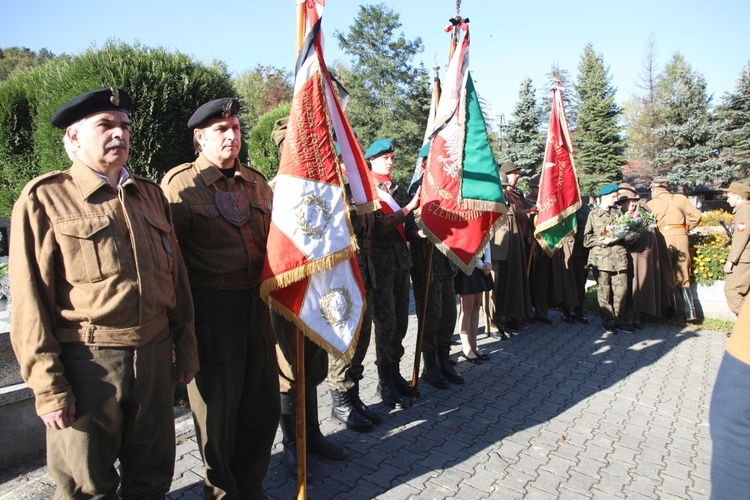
456	21
421	318
299	342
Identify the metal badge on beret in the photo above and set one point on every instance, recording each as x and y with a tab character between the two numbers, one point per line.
233	206
115	98
227	111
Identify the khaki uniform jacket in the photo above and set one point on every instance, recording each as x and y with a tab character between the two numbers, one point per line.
674	213
613	257
92	265
740	251
217	253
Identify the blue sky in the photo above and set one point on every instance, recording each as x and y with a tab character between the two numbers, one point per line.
511	40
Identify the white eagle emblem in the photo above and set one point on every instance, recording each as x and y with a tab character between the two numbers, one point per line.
336	306
314	215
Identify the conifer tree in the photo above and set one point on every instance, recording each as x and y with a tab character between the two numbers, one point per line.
524	144
690	136
734	118
598	146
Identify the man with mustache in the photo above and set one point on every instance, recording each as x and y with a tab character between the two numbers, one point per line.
222	213
100	294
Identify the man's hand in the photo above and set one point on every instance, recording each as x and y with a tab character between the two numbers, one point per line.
728	267
185	377
60	419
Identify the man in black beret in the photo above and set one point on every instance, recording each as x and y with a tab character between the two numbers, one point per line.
100	294
222	213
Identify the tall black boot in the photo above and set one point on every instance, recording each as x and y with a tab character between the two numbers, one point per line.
402	386
316	441
361	407
687	297
386	390
431	373
288	424
344	411
446	367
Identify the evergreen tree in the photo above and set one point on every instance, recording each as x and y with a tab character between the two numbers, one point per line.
734	117
641	113
14	59
388	96
689	135
598	147
524	144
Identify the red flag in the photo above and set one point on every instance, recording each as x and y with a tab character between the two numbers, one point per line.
311	275
559	197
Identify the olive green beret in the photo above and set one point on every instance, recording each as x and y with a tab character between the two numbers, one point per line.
110	99
218	108
380	147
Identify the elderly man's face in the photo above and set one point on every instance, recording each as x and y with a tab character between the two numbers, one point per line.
220	140
383	164
103	140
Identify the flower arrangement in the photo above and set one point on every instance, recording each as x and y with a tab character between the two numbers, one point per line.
629	226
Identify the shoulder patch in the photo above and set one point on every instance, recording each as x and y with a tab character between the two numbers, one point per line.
174	171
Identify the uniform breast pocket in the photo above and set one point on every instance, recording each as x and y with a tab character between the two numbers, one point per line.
89	249
205	224
161	241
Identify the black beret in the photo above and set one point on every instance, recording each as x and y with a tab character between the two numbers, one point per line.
110	99
218	108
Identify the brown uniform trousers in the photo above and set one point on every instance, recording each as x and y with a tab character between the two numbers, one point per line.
235	396
98	284
675	216
737	284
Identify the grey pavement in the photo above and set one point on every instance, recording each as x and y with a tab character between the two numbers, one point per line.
560	411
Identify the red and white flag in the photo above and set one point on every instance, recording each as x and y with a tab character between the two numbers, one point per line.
310	275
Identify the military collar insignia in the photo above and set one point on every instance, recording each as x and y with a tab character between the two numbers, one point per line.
115	97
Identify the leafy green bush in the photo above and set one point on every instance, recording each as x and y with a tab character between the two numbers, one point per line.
166	89
264	154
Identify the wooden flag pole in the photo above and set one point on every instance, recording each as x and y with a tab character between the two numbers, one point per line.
299	342
421	318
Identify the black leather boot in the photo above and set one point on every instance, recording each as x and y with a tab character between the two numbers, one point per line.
288	424
687	297
402	386
446	367
344	411
431	373
386	390
361	407
316	441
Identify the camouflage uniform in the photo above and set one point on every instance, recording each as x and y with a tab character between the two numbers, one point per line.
609	263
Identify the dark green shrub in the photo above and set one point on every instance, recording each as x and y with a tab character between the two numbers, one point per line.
263	152
166	88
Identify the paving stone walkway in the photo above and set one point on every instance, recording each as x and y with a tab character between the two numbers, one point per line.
560	411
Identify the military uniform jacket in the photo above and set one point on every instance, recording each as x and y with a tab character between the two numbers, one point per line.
740	251
93	265
219	254
389	251
674	214
612	257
